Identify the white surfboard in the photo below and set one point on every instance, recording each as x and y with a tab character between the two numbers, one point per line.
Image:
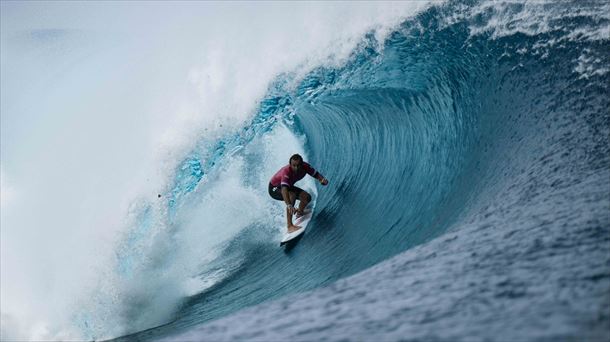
301	222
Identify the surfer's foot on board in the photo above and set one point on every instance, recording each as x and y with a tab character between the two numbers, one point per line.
293	228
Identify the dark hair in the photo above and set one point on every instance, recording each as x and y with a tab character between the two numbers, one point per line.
296	157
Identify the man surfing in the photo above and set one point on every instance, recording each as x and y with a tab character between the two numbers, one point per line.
281	187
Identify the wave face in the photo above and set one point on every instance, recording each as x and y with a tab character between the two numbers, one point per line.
481	119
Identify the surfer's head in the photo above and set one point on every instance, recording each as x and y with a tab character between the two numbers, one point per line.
296	161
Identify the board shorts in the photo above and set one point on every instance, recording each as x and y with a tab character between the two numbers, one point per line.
276	191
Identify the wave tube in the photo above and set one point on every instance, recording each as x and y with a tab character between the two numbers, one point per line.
457	122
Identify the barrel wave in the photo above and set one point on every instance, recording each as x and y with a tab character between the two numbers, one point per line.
469	147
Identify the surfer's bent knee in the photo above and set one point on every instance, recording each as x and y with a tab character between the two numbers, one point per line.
307	196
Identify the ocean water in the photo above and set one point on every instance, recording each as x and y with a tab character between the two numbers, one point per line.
468	153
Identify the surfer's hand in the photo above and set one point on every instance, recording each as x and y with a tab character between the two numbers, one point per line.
324	181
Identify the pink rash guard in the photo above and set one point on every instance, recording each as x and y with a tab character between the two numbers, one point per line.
286	177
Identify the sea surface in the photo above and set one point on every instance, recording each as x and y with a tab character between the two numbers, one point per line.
468	155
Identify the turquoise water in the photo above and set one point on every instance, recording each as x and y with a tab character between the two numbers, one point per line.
471	122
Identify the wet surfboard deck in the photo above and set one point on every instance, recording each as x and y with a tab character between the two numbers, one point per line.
301	222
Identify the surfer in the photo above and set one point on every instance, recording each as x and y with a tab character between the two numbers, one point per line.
281	187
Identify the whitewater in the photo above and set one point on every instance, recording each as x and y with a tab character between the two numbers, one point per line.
466	144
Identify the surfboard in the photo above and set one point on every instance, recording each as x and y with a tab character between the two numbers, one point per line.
301	222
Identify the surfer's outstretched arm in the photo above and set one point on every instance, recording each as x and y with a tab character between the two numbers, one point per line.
315	174
322	180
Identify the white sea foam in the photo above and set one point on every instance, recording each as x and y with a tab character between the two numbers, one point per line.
536	18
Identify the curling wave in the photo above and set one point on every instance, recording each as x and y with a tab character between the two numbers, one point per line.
461	113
